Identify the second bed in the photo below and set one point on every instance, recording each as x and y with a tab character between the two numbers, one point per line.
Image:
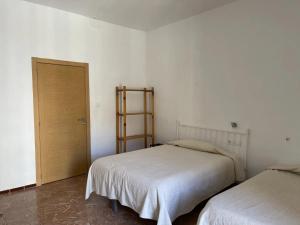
270	198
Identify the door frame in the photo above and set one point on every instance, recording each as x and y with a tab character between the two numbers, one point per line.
35	62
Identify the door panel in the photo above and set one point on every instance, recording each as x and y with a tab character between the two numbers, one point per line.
63	121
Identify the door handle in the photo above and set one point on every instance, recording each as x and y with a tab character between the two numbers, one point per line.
82	121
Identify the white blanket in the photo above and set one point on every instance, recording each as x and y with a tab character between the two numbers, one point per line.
160	183
270	198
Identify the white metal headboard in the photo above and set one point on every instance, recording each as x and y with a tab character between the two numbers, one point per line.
232	141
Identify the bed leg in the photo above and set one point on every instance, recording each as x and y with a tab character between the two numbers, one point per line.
114	206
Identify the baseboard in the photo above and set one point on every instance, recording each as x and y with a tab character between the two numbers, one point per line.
23	188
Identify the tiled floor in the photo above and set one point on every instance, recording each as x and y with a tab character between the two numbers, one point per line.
62	203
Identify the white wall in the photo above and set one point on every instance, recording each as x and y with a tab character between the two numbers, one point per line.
239	63
115	55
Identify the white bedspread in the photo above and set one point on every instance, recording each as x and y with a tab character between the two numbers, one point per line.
160	183
270	198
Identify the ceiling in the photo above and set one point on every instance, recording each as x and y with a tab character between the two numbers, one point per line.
138	14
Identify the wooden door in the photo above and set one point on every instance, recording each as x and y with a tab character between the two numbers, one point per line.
62	108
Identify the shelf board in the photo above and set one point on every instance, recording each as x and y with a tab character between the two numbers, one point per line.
132	137
134	89
135	113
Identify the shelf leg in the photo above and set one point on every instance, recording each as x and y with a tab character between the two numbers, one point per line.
124	120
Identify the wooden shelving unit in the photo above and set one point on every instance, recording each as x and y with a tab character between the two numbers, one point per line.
121	118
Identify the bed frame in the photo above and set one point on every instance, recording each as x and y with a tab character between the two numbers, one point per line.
229	140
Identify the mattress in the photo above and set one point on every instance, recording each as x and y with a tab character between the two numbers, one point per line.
270	198
160	183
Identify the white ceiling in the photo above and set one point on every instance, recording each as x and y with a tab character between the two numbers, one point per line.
138	14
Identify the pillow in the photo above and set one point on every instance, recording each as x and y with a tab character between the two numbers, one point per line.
203	146
195	145
287	168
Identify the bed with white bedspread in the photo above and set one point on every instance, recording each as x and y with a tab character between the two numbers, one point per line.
270	198
167	181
